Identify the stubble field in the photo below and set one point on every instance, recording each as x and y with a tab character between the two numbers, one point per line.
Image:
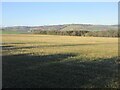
59	61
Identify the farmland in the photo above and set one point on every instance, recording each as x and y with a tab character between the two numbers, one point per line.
31	60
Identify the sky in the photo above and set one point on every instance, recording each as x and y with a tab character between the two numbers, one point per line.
60	0
54	13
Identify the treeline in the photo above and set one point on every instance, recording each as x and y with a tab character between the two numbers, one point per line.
109	33
70	33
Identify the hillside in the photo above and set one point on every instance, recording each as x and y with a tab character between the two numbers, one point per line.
77	27
15	30
65	27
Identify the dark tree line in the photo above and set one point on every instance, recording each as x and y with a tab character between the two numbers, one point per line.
70	33
109	33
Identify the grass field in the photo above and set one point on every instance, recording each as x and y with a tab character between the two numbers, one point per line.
59	61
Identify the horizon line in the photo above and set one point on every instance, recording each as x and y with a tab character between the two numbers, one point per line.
55	24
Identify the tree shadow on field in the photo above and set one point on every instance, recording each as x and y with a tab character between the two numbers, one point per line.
12	47
5	43
8	47
26	71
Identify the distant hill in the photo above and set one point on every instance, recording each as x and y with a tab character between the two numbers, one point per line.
65	27
88	27
16	29
77	27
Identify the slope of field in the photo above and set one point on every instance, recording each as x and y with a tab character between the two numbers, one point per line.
59	61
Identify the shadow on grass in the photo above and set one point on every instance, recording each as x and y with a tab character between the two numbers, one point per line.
25	71
11	47
8	47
